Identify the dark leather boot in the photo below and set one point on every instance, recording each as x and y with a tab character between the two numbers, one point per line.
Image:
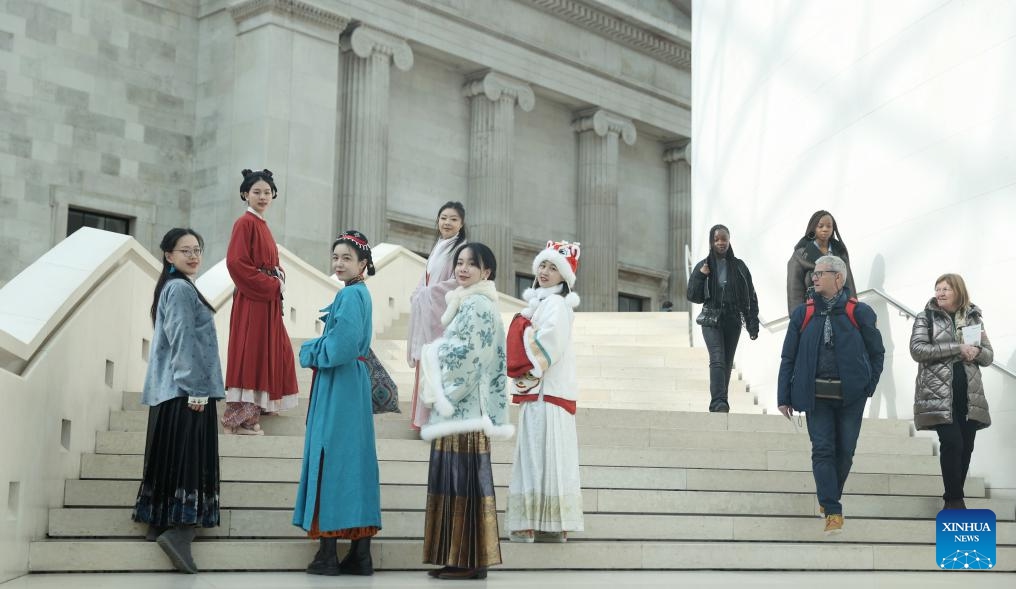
326	561
358	560
176	543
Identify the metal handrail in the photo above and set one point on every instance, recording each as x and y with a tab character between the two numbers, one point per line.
687	279
902	308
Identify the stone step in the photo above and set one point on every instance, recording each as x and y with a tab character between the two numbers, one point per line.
751	458
402	472
277	523
259	495
630	437
293	555
693	421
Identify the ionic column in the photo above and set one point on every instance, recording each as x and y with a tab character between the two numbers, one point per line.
367	55
492	99
599	134
678	159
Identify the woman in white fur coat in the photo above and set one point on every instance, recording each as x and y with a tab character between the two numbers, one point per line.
545	493
463	382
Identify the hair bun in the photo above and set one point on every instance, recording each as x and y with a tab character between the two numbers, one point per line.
266	172
246	172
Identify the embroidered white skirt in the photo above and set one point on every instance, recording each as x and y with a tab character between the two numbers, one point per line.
545	492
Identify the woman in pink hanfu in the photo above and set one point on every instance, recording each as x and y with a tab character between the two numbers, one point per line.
428	300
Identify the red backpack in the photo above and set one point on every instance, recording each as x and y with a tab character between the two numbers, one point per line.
809	311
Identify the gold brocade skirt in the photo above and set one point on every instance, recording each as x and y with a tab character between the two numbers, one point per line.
461	524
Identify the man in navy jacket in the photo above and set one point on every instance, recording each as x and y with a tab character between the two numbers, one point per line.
829	369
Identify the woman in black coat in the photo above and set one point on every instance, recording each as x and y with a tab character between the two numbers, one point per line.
722	284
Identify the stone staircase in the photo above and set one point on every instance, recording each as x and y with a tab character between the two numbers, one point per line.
665	485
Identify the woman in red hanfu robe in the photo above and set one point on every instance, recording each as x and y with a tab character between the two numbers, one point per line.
260	371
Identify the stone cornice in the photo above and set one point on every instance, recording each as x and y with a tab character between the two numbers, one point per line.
676	152
365	41
295	9
495	86
576	12
602	122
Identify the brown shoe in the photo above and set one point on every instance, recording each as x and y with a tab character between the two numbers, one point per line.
455	574
833	524
437	572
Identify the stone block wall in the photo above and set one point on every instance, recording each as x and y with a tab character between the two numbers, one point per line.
96	112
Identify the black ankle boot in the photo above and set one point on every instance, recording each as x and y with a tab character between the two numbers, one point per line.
176	543
326	561
358	560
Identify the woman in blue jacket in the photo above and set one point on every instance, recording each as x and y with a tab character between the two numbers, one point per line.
339	494
179	489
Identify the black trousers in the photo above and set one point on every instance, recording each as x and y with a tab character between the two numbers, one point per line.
721	342
956	444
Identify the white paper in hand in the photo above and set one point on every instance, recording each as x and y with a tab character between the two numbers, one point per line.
972	335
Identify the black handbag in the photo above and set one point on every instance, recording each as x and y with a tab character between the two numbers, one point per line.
827	388
709	317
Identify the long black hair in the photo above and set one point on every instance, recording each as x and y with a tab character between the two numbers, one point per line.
734	276
357	241
251	177
809	232
168	273
482	255
461	210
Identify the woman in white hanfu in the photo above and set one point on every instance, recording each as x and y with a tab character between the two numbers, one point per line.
428	300
545	493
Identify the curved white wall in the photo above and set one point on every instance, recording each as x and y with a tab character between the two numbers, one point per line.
899	118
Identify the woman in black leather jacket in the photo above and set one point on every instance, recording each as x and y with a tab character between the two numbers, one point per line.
722	284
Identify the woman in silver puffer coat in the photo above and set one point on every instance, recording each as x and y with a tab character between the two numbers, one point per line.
949	397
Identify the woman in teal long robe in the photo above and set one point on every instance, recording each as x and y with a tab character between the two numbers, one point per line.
339	494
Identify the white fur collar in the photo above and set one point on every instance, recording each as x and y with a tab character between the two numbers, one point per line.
455	297
535	296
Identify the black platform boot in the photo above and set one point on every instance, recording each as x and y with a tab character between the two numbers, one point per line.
358	560
326	561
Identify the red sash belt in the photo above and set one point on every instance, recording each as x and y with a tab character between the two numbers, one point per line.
569	406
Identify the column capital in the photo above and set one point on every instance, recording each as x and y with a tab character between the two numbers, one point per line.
603	122
365	41
251	14
677	151
495	86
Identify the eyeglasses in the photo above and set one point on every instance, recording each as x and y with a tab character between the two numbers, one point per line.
194	253
820	273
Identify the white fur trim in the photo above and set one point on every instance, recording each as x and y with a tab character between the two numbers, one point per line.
531	354
559	261
455	297
477	424
443	406
502	432
572	299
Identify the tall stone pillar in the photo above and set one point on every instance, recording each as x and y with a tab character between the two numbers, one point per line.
492	99
599	134
367	55
277	112
678	159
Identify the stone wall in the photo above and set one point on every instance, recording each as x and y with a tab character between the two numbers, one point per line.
371	113
96	112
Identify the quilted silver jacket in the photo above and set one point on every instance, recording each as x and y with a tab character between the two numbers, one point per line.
936	351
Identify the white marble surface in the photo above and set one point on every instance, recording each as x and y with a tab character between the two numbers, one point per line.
526	579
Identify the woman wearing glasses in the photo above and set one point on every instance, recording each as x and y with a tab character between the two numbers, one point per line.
179	489
260	369
950	346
